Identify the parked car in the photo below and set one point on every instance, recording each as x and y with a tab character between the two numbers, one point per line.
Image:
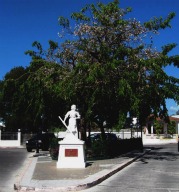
97	136
43	140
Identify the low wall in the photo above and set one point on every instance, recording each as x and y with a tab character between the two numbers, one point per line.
11	143
146	138
120	135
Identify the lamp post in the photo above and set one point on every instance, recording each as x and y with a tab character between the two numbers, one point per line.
39	132
40	128
37	145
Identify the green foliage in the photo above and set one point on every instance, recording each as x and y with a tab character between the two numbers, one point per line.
107	65
158	125
103	148
54	129
171	128
159	23
114	68
54	148
28	94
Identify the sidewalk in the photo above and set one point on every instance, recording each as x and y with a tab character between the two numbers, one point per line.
159	141
41	174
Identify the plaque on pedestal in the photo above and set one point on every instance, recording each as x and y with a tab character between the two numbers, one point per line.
71	154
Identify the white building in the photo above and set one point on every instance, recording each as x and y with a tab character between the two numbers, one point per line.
151	129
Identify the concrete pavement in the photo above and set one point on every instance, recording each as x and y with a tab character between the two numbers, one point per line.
41	174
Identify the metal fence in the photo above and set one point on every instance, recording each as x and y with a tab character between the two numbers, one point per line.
9	136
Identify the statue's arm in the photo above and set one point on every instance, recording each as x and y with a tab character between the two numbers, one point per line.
66	116
78	116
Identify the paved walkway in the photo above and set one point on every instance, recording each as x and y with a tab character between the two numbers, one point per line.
41	174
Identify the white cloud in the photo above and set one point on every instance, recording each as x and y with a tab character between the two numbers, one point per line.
174	108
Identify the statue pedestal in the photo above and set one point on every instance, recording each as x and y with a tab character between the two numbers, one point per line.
71	153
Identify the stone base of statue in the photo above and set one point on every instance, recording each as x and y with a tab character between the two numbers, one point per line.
71	153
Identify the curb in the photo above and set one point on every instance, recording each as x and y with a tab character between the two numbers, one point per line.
91	181
109	174
26	172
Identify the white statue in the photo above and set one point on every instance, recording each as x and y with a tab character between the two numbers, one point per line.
73	115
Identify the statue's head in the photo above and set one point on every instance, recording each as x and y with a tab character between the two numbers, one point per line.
73	107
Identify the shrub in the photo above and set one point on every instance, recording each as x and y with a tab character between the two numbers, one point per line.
54	148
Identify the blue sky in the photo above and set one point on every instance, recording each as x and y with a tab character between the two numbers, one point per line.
24	21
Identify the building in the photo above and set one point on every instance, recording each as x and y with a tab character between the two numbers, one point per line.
150	128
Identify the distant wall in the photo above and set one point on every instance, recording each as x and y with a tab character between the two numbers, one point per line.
121	134
11	143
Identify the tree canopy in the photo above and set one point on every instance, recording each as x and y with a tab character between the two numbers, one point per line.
107	65
114	64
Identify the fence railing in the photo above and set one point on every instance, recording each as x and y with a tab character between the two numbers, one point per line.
9	136
8	139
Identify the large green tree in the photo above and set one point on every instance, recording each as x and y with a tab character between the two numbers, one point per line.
30	98
113	65
11	109
41	88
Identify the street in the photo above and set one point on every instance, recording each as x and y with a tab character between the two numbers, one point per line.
157	171
12	162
